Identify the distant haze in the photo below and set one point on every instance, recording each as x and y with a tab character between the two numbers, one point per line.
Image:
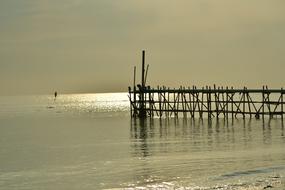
76	46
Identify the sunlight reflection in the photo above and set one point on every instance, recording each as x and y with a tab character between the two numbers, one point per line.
103	102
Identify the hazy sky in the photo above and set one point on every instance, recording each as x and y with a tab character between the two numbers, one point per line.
92	45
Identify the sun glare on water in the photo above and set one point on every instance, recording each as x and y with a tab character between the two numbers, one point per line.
101	102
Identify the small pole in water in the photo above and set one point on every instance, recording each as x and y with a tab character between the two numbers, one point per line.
55	95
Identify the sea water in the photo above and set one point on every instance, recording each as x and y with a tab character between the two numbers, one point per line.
89	141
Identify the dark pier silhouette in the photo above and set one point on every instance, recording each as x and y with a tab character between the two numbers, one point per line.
208	101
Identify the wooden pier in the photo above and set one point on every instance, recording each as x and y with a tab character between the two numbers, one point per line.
209	102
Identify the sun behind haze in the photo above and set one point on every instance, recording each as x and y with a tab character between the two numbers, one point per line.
85	46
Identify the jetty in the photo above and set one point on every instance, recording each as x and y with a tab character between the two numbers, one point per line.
209	101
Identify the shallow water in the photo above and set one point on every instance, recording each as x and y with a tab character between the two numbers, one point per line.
89	141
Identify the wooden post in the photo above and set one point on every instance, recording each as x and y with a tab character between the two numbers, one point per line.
216	102
134	85
202	103
227	103
223	103
143	68
184	104
210	104
268	103
194	104
263	102
282	112
197	100
135	102
142	112
243	105
232	97
130	98
134	92
164	102
248	103
145	77
249	108
174	103
178	98
168	103
189	102
159	100
149	102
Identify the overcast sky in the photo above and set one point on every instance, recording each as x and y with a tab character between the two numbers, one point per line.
75	46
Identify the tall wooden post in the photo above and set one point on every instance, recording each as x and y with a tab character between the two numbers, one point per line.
142	113
143	68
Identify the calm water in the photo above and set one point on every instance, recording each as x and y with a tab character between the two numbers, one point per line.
88	141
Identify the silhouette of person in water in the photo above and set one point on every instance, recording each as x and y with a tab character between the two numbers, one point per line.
55	95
